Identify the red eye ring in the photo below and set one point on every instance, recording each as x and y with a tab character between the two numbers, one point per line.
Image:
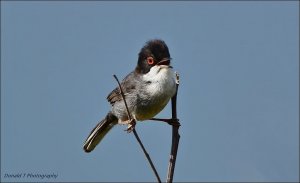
150	60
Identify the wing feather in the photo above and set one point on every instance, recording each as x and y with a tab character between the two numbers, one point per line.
128	84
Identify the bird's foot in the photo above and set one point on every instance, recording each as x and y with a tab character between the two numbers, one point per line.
131	125
171	121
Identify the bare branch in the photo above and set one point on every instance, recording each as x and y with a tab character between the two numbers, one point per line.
147	155
135	133
175	136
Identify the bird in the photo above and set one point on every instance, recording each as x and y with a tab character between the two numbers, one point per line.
147	90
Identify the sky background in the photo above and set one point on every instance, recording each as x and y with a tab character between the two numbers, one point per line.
238	99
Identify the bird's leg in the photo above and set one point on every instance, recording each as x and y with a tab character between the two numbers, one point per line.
171	121
131	125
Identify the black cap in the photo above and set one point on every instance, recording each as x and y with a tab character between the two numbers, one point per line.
151	54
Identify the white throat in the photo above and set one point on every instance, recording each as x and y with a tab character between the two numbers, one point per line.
161	82
159	73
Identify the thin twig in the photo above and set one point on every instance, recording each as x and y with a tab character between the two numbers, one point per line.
147	155
175	136
123	96
135	133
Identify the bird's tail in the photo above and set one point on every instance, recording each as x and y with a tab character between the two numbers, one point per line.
98	133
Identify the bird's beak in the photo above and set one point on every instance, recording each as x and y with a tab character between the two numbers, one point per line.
165	61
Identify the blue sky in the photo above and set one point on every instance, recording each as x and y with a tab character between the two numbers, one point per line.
238	99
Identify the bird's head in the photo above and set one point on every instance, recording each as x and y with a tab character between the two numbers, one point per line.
154	53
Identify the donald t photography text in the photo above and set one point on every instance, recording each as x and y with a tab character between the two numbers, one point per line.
41	176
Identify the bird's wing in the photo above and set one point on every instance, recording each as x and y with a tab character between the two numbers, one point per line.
128	85
114	96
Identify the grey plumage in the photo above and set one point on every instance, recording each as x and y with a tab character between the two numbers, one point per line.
147	91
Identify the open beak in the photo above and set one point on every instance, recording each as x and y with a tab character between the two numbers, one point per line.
165	61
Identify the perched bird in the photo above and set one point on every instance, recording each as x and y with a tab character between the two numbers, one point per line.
147	91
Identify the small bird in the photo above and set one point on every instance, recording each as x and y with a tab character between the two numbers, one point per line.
147	91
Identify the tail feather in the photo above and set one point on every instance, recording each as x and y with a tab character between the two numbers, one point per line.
98	133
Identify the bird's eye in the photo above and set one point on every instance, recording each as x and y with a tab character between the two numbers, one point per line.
150	60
